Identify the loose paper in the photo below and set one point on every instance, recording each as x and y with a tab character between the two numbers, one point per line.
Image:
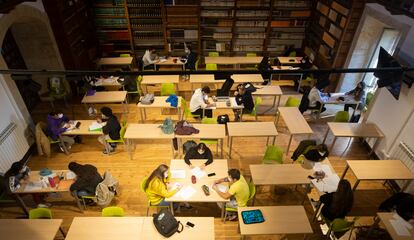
329	183
221	187
233	102
187	192
33	186
70	175
95	126
399	228
402	221
178	173
198	173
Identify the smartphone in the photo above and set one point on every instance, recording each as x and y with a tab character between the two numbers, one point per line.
189	224
211	174
310	177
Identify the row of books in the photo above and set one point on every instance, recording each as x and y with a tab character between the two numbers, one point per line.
138	12
251	23
217	3
109	11
291	4
108	35
111	22
146	23
144	3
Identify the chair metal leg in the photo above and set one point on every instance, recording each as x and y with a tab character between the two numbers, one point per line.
225	214
147	211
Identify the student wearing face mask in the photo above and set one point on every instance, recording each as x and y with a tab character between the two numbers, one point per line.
57	123
191	58
110	130
238	193
201	151
156	187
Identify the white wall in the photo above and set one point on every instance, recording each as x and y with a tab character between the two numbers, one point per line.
395	117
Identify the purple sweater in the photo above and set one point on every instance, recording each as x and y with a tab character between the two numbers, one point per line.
54	128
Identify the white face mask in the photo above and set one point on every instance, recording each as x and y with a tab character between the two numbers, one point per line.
201	151
187	51
60	115
166	174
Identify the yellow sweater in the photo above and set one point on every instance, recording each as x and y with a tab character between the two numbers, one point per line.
157	191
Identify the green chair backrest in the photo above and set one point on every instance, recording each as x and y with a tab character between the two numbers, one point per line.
196	63
122	131
292	102
142	185
252	54
213	54
292	54
113	212
57	86
167	89
341	225
39	213
211	66
273	154
139	80
341	116
257	102
207	120
252	190
125	55
369	98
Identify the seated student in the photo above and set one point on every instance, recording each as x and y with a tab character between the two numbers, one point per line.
57	123
130	82
264	65
243	97
17	175
87	179
288	50
110	130
315	154
201	151
156	187
150	57
402	203
316	98
238	192
191	58
337	204
200	100
358	93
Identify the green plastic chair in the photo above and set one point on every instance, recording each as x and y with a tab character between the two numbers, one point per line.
196	63
43	213
273	154
292	102
252	193
211	67
58	91
213	54
292	54
369	98
251	54
341	116
121	135
138	91
124	55
186	110
167	89
113	212
257	102
148	202
207	120
340	225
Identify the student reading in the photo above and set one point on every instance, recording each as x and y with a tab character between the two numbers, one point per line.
110	130
199	101
201	151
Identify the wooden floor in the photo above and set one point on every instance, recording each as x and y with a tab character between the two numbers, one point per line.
149	154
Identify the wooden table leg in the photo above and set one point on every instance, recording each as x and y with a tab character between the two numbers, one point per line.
231	144
142	116
129	148
290	141
326	135
344	173
274	140
22	205
333	143
221	147
356	185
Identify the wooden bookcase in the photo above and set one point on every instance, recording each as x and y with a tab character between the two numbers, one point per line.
230	27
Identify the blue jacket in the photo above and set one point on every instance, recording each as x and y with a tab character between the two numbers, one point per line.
173	100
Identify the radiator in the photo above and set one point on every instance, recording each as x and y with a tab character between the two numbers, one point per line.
404	153
13	146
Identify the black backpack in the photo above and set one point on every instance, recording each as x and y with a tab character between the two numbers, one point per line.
223	119
166	224
188	145
225	89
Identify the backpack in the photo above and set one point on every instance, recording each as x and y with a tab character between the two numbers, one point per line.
167	126
248	87
148	99
302	147
166	224
188	145
106	190
304	102
223	119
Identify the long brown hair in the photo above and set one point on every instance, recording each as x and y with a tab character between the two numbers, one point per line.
343	198
157	173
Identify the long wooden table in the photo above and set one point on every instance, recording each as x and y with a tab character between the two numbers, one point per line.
83	129
386	218
33	229
238	78
107	97
287	74
295	122
170	62
289	60
279	220
223	105
32	185
115	61
159	102
379	170
245	78
138	131
136	228
333	100
207	131
269	91
364	130
236	61
251	129
219	167
159	79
